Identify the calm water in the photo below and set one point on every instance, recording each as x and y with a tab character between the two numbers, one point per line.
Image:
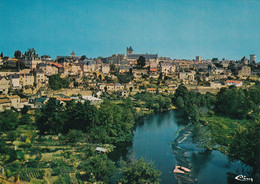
153	141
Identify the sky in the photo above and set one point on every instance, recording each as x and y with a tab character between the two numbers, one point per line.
180	29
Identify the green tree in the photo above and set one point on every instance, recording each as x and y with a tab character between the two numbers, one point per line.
17	54
115	123
141	61
83	57
3	147
139	172
180	102
57	83
8	120
13	163
113	68
49	119
233	103
214	60
124	78
131	89
192	111
182	91
79	116
97	168
245	143
75	136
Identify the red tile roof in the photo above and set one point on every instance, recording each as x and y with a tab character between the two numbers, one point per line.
57	65
64	99
151	89
233	81
153	69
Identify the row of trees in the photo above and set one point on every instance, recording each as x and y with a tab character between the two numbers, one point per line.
98	167
110	123
243	139
231	102
155	102
237	103
193	104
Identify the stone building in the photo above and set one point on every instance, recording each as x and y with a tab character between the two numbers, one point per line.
4	85
245	71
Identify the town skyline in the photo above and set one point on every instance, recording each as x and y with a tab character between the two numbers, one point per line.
179	30
55	57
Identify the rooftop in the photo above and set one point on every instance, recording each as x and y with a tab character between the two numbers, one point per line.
146	56
2	101
12	97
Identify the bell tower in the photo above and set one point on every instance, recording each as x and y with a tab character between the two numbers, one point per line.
129	51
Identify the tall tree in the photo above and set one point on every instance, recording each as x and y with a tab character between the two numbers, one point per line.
140	172
8	120
182	91
245	144
83	57
17	54
49	119
97	168
214	60
141	61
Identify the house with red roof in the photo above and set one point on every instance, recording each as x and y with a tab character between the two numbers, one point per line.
234	83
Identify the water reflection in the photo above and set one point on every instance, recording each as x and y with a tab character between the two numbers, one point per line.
200	160
151	141
121	151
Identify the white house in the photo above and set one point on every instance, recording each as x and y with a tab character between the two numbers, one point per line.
234	83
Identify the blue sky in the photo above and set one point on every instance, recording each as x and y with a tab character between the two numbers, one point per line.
173	28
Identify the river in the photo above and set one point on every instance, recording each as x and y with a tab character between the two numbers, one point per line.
153	140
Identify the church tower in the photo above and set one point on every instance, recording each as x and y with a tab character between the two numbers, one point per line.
129	51
72	55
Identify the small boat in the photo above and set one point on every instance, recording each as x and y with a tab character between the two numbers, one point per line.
180	169
243	178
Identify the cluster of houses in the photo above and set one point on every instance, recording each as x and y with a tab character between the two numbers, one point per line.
16	102
93	74
21	80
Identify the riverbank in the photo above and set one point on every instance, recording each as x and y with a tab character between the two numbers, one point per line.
152	141
236	139
220	130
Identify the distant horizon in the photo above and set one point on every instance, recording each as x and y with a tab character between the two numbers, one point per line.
177	29
54	57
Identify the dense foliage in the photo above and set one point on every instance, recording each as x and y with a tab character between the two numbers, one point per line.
228	121
193	104
97	168
139	171
156	102
8	120
141	61
231	118
57	83
124	78
110	123
245	143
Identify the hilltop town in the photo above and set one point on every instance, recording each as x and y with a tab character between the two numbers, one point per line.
61	119
29	79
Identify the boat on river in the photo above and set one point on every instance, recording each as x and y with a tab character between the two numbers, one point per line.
243	178
180	169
